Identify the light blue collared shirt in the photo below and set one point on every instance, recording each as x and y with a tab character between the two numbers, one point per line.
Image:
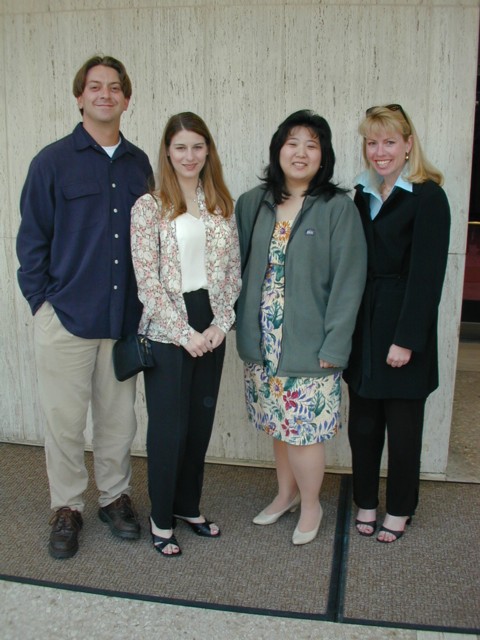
366	179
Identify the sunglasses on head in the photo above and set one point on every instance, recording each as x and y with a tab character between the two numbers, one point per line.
390	107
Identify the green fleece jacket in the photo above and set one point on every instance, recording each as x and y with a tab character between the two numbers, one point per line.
325	273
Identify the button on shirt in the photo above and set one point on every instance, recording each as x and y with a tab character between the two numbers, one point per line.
73	244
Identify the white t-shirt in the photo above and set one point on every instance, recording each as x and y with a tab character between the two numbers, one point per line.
111	150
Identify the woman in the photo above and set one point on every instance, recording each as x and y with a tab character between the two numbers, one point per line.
304	260
187	265
393	366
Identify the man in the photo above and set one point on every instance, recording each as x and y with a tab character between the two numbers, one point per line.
75	271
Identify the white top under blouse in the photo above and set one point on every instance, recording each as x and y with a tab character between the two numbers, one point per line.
191	244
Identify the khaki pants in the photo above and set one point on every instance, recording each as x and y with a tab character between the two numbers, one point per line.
73	373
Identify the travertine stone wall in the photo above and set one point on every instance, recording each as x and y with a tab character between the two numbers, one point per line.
243	66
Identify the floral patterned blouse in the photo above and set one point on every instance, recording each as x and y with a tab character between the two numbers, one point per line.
156	262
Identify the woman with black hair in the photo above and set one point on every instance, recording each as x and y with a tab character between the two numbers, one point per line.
304	268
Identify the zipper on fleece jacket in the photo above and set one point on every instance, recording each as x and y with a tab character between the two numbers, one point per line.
295	226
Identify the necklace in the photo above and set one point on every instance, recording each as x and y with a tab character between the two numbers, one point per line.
385	191
189	198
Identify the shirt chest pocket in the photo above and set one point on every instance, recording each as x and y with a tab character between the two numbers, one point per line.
83	204
136	190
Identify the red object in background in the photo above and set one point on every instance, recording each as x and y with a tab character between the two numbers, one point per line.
471	283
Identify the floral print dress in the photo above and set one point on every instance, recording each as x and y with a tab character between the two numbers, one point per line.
298	411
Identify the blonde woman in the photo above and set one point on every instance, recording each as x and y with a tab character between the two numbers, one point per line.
186	260
393	366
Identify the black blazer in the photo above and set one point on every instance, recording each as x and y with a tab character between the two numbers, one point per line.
407	258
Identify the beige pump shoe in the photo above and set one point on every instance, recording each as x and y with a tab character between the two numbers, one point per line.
270	518
301	537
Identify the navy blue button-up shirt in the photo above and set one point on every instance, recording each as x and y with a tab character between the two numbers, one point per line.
73	244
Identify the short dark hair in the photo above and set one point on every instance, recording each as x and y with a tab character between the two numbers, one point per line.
106	61
321	181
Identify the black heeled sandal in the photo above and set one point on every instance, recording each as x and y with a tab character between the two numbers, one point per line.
372	524
200	528
397	534
159	545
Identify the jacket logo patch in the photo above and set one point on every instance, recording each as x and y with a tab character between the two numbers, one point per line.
309	232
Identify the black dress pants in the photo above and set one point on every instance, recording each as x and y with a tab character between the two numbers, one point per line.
181	396
368	421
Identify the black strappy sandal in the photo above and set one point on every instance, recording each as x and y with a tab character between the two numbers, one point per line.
159	545
200	528
372	524
397	534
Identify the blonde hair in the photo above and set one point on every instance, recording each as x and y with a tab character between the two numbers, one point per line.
217	195
393	118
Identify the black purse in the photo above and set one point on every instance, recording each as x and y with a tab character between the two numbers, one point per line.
131	355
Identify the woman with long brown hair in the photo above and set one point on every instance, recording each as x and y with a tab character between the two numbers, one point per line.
186	260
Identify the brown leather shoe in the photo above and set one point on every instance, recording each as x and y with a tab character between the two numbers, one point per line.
121	518
66	524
